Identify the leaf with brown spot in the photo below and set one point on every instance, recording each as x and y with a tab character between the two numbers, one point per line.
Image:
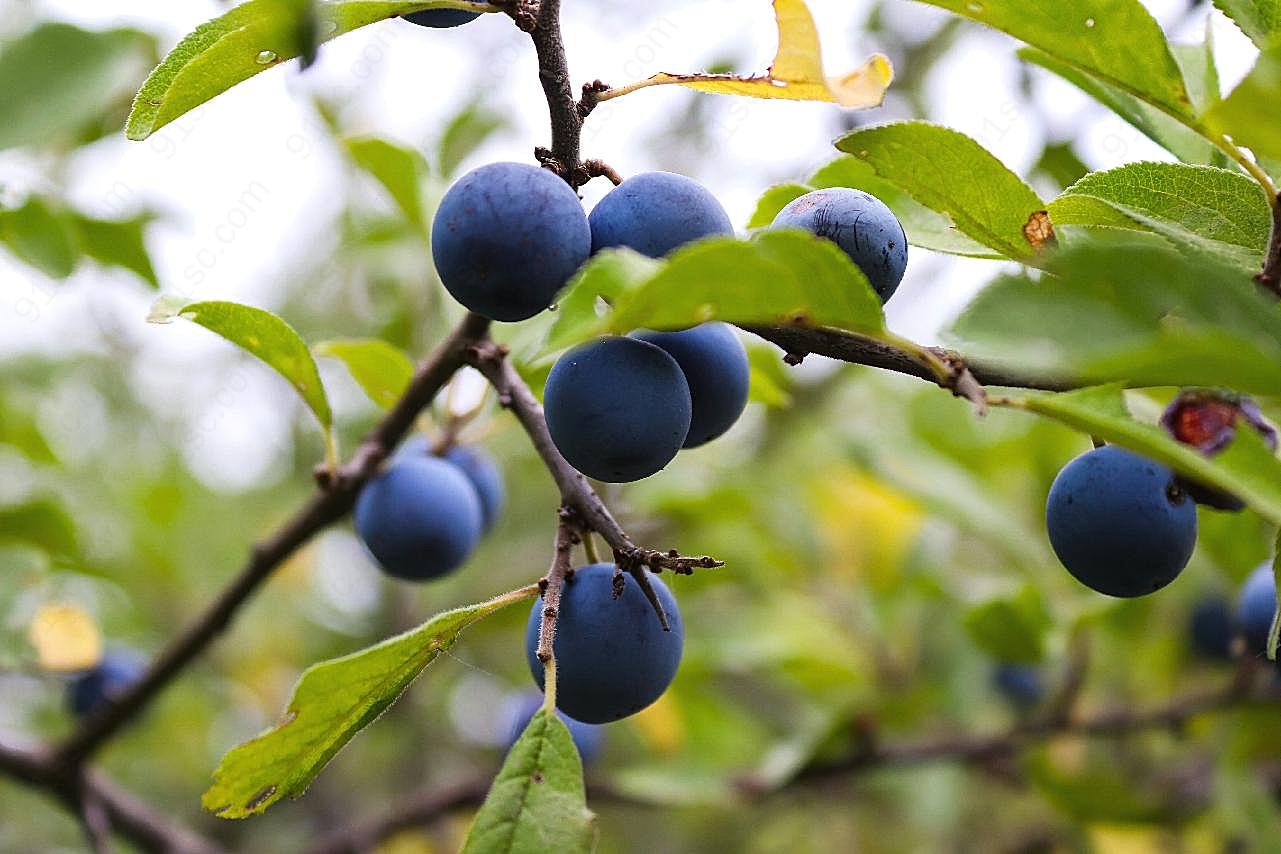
333	701
1039	231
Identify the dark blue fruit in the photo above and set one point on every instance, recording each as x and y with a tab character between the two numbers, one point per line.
1120	523
1256	607
93	689
441	18
482	470
1020	684
612	656
656	212
1211	627
617	408
479	467
861	225
588	738
420	517
506	239
716	367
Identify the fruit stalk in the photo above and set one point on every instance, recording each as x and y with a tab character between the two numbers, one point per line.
1270	277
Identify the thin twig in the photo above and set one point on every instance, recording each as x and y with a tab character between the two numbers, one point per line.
331	502
1270	277
800	341
576	493
553	73
96	822
553	583
425	808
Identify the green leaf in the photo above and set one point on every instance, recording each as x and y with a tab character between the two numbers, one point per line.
59	78
770	381
260	333
1214	210
778	277
1246	468
1128	307
1010	628
400	170
774	200
538	801
40	523
117	243
992	205
924	228
1248	115
331	703
1171	134
1258	19
382	370
41	237
245	40
465	132
1117	41
19	429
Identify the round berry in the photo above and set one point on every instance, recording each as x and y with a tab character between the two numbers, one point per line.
617	408
441	18
95	688
612	656
1211	627
716	367
858	222
506	239
1120	523
654	213
420	517
1256	608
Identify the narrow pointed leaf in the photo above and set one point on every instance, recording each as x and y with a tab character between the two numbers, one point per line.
538	801
1217	211
246	40
1117	41
332	702
1258	19
382	370
1248	114
992	205
260	333
400	170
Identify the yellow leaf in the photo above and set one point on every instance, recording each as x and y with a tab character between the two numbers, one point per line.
660	725
66	638
797	72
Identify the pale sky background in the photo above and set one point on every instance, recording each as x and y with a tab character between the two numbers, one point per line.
403	82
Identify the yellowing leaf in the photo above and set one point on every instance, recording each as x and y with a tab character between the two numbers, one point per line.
797	72
66	638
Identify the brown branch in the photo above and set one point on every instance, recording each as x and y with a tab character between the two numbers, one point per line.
425	808
553	584
801	341
576	493
331	502
121	810
1270	277
973	748
553	73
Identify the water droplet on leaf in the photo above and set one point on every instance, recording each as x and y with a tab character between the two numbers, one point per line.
266	57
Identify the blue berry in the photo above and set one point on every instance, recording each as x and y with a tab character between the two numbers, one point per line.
612	656
655	213
1120	523
1256	607
717	370
507	237
858	222
1211	627
441	18
93	689
617	408
420	517
1020	684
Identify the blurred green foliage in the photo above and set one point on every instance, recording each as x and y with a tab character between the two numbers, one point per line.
885	547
